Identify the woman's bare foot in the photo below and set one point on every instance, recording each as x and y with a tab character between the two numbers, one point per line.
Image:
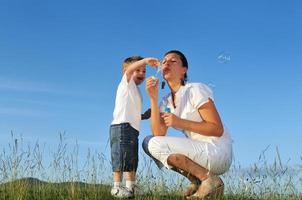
212	187
191	189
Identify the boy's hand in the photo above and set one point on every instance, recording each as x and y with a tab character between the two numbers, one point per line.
153	62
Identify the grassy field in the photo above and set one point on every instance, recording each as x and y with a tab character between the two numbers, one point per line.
25	174
30	188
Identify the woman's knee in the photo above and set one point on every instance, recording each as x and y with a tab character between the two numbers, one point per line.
145	144
155	146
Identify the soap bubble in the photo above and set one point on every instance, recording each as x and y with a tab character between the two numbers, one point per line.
211	85
224	57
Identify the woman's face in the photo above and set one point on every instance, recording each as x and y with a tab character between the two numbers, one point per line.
173	69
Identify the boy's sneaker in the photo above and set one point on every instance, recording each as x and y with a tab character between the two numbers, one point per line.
121	192
136	190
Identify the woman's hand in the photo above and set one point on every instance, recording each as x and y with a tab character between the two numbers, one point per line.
170	119
152	87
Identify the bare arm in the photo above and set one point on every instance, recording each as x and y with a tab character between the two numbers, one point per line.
158	126
134	66
210	126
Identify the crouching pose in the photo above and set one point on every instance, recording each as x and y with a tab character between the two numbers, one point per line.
206	151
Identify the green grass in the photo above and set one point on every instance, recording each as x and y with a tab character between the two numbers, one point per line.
25	174
30	188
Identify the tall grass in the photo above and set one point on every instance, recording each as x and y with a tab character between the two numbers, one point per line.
264	180
35	172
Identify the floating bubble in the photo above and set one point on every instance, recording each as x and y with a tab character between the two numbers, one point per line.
212	86
224	57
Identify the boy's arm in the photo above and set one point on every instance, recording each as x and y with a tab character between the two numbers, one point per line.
154	62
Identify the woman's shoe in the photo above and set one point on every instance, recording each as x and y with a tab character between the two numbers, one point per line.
212	187
191	190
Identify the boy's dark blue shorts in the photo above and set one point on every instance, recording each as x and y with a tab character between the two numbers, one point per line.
124	147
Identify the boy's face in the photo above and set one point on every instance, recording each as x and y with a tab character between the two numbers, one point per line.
139	75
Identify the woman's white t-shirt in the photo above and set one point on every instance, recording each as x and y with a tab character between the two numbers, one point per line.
213	153
128	104
188	99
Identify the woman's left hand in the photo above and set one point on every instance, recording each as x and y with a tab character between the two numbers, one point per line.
170	119
151	88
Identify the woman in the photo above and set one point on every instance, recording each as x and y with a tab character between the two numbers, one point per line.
206	152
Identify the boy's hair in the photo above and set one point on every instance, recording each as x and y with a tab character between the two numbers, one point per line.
130	60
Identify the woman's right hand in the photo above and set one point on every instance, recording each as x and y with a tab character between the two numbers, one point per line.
152	87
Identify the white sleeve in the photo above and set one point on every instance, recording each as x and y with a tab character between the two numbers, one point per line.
125	82
200	94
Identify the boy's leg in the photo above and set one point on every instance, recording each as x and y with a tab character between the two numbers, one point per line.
116	161
123	142
130	147
130	176
130	179
118	190
117	179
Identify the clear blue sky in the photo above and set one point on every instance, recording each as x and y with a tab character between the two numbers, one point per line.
60	64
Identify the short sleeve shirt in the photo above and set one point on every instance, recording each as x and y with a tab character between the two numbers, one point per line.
188	99
128	104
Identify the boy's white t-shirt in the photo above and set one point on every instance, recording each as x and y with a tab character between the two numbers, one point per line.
128	104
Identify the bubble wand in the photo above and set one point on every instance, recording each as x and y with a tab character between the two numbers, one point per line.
155	77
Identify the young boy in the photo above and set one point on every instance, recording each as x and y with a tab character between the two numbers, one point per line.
124	129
